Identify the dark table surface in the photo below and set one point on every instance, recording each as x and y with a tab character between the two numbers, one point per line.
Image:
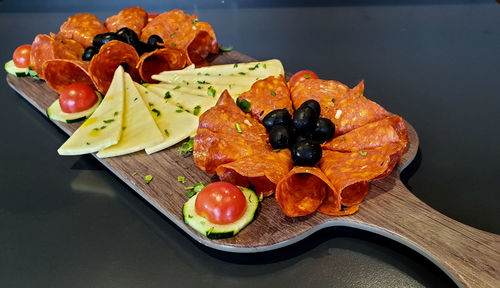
68	222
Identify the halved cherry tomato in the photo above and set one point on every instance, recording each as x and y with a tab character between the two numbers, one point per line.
21	56
151	16
77	97
221	203
301	76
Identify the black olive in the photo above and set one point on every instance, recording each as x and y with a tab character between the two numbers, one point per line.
153	40
324	130
127	35
101	39
142	47
277	117
304	119
280	137
306	153
89	52
314	105
303	137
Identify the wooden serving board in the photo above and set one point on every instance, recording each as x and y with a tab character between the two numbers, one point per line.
469	256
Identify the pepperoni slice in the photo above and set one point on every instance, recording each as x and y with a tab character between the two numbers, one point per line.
160	60
134	18
103	64
267	95
59	73
82	28
46	47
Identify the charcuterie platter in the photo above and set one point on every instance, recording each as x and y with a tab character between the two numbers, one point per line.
468	255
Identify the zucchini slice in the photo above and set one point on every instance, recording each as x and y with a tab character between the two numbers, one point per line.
54	112
11	68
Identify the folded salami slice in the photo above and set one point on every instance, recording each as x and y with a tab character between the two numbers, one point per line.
82	28
160	60
226	134
388	130
267	95
103	64
350	172
185	32
262	171
59	73
347	108
46	47
134	18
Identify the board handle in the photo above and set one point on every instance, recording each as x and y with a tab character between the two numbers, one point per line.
470	257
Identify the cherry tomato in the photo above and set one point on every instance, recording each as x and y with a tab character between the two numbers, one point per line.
77	97
151	16
221	203
21	56
301	76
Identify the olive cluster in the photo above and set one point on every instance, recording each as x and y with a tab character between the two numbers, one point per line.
302	134
126	35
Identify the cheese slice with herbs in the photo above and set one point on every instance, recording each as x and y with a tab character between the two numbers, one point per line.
104	127
183	100
176	126
210	80
139	130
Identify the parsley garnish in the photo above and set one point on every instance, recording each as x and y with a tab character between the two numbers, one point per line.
225	49
203	82
190	194
166	132
195	21
148	178
196	188
179	111
167	95
362	153
116	113
187	146
273	93
211	91
265	66
307	76
197	110
243	104
333	100
235	65
254	67
242	73
156	111
108	121
177	87
276	150
151	104
238	128
181	179
145	84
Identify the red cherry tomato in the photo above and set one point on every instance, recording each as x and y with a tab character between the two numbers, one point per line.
21	56
221	203
151	16
77	97
301	76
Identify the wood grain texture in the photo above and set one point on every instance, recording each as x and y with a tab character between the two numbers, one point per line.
469	256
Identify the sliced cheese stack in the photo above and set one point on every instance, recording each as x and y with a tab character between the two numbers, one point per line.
209	82
104	127
175	123
139	130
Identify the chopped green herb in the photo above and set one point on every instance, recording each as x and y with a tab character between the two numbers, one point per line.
135	99
242	73
145	84
179	105
116	113
198	186
254	67
187	146
261	197
96	129
181	179
177	87
134	173
333	100
276	150
343	139
211	91
123	128
199	73
273	93
238	128
167	95
189	216
199	87
156	111
225	49
151	104
203	82
202	222
166	132
235	65
88	143
190	194
362	153
102	127
206	74
148	178
265	66
187	110
243	104
197	109
195	21
108	121
307	76
179	111
172	44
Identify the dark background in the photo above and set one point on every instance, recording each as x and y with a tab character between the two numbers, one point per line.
67	221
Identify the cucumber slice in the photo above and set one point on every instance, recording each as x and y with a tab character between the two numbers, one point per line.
216	231
11	68
54	112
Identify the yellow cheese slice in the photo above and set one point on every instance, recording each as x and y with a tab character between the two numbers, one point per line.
139	128
236	78
104	127
176	125
183	100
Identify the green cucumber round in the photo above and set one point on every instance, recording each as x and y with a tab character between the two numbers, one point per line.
54	112
11	68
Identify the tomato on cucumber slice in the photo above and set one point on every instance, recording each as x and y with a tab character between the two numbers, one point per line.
221	203
21	56
77	97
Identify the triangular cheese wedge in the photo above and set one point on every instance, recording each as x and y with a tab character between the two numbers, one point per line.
184	100
175	125
236	78
104	127
139	128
